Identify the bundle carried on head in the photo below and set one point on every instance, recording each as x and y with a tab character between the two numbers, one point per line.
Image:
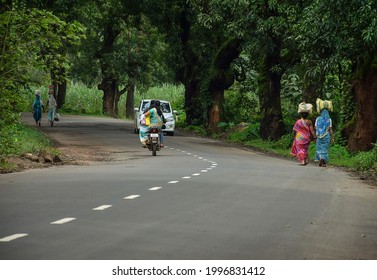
324	104
305	108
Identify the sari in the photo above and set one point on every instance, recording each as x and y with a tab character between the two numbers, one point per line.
301	141
322	126
37	109
155	120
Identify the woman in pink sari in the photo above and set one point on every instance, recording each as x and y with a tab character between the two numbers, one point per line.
302	130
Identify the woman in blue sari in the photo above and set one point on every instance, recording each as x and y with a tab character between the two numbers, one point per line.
37	108
325	136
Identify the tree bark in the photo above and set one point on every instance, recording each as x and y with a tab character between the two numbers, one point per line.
366	112
130	100
272	124
110	88
62	91
187	74
108	85
221	78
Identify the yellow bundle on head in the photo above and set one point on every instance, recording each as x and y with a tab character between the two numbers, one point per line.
324	104
305	108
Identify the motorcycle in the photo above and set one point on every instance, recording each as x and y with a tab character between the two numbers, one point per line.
153	143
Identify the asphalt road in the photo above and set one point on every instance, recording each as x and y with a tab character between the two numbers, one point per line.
197	199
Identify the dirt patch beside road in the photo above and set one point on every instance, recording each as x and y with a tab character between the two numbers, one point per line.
81	141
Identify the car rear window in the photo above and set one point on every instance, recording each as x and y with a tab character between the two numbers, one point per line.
165	106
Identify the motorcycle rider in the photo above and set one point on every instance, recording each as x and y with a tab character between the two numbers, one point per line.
155	120
159	112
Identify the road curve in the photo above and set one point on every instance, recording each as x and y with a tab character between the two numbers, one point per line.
197	199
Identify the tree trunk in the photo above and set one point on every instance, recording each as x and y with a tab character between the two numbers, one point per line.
193	106
110	89
187	74
221	78
272	124
108	85
62	91
366	112
216	110
130	100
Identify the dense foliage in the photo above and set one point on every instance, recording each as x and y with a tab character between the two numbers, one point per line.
246	61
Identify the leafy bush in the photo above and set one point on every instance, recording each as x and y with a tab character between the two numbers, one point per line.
250	132
18	139
366	160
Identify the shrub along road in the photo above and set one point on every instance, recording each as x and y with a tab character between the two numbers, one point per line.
197	199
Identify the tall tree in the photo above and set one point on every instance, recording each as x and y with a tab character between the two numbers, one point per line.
30	39
203	54
120	51
346	29
64	10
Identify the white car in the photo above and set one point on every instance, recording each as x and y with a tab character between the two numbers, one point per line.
166	110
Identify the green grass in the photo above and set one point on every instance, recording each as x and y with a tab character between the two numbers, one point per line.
338	155
88	101
19	139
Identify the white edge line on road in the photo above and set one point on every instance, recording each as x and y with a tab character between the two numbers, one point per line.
132	196
102	207
62	221
155	188
13	237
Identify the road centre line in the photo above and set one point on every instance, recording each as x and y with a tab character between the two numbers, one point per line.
196	174
62	221
186	177
102	207
173	182
131	196
13	237
155	188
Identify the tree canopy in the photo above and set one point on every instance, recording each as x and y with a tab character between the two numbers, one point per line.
296	50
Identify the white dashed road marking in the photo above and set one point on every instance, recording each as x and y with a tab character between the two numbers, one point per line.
186	177
132	196
155	188
13	237
196	174
102	207
173	182
62	221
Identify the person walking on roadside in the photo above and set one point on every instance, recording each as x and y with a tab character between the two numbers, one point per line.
37	108
51	108
325	136
303	130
